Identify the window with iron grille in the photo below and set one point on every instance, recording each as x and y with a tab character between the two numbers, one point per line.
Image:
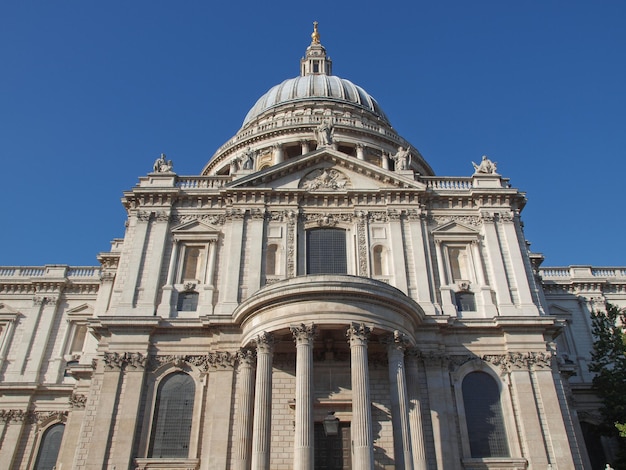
49	447
173	416
483	414
326	251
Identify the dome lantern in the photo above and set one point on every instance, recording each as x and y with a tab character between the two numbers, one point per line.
315	61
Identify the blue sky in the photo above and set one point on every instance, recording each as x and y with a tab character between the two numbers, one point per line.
92	92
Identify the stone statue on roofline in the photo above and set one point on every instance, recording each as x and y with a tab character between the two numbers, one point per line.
247	159
401	159
485	167
324	134
161	165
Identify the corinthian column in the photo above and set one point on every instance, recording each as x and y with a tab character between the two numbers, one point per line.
303	441
415	410
396	344
261	432
245	390
361	428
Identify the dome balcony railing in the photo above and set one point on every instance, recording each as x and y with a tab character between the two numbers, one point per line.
447	183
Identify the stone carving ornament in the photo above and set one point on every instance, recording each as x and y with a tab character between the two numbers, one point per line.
324	179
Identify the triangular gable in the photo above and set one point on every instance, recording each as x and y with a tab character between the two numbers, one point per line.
83	310
292	170
557	310
455	228
194	227
7	311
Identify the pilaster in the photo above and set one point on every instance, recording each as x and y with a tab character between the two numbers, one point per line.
415	411
229	289
127	423
218	403
134	252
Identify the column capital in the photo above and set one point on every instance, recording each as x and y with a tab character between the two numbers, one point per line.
264	342
303	333
358	333
246	357
397	341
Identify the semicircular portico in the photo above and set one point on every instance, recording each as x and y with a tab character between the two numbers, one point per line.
328	301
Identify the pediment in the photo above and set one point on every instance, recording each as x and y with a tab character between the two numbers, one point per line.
7	310
194	227
559	311
327	170
455	228
83	310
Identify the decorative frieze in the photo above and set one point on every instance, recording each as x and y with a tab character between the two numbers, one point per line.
204	362
120	361
211	219
472	220
162	216
507	362
292	219
40	299
77	400
234	214
143	216
15	416
361	229
327	219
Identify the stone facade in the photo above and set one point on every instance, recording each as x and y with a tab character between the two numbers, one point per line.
316	271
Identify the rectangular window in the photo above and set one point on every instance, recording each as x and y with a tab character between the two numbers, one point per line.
459	265
193	263
326	251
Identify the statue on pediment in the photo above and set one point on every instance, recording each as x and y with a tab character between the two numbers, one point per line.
161	165
486	166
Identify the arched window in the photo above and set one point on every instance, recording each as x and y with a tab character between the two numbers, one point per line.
49	447
270	260
326	251
483	414
173	415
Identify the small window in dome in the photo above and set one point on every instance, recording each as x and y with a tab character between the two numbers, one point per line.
316	67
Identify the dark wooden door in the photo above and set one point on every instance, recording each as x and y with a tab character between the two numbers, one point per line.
333	452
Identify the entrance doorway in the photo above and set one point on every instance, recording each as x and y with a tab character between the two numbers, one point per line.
333	452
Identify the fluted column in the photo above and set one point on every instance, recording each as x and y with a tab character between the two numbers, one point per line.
303	441
245	396
261	432
396	344
415	411
306	148
361	428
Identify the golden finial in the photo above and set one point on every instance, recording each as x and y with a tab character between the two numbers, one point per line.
315	36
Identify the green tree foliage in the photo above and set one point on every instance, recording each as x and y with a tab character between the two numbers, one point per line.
608	362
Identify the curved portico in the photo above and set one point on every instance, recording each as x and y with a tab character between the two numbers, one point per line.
329	307
330	301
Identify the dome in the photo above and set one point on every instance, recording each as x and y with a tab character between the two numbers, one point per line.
315	87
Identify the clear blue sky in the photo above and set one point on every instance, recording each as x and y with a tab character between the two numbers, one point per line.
92	92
